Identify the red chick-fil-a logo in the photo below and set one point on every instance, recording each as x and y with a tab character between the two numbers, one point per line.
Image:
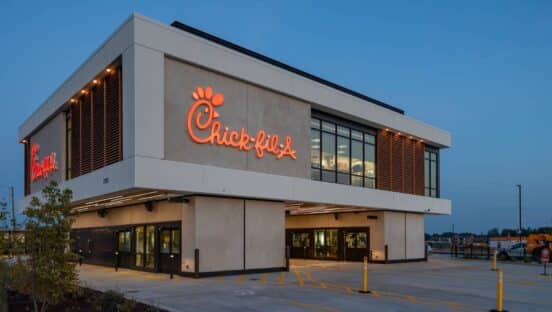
40	169
204	128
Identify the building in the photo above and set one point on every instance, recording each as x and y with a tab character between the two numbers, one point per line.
188	153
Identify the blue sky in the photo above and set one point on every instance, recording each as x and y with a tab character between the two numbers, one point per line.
479	69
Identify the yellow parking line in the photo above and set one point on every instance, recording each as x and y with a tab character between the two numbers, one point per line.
241	279
299	278
263	279
412	299
313	307
282	277
220	278
323	285
375	293
349	290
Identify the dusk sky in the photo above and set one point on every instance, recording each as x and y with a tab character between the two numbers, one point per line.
481	70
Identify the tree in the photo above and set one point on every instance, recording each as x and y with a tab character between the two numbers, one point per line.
47	274
494	232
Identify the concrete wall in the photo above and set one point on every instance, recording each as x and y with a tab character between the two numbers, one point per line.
415	236
216	227
404	235
245	106
360	219
51	138
135	214
264	234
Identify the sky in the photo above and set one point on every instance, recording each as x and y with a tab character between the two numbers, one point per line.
481	70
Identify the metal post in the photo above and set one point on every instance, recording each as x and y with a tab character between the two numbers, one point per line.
494	262
499	294
386	254
14	223
171	257
196	263
519	205
364	289
287	257
116	261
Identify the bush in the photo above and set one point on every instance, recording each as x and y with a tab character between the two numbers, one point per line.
112	301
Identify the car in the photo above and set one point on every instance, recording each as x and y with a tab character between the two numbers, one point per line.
516	251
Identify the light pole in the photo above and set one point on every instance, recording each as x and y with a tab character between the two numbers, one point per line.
519	203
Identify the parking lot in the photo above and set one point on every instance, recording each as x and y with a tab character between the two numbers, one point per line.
441	284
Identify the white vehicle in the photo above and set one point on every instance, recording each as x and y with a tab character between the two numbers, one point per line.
515	251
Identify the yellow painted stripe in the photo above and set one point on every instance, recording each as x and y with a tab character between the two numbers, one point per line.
349	290
375	293
263	279
241	279
323	285
299	278
282	277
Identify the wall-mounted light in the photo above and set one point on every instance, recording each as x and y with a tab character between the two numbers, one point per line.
108	70
95	81
24	141
73	101
398	133
386	129
83	91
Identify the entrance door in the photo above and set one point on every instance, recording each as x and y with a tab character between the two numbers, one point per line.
169	250
123	247
356	245
325	244
301	245
145	247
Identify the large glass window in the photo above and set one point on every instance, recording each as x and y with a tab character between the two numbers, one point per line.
431	170
342	154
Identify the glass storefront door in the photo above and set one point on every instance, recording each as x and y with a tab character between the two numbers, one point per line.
326	244
356	245
150	247
145	246
169	250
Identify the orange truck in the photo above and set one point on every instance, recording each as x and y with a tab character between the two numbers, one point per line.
537	242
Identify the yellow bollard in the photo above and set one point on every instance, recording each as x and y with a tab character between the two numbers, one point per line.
364	289
499	293
494	262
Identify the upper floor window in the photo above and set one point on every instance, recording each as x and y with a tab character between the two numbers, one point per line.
431	172
342	154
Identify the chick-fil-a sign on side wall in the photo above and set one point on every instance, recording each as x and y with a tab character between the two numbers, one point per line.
204	128
40	169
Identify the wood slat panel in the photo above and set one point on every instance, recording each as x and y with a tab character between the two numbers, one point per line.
98	126
86	134
400	163
75	140
383	161
113	146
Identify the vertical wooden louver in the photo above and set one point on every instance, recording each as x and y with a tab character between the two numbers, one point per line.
400	163
75	140
86	134
96	125
113	150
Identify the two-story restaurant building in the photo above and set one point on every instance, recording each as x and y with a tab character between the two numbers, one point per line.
191	154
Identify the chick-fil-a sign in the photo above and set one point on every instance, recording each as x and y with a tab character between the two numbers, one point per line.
40	169
205	128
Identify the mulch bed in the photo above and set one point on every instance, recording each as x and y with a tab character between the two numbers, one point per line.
87	300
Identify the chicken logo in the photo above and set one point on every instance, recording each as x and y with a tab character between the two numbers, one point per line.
204	127
41	169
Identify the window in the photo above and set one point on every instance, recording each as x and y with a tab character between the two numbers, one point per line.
431	170
342	153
